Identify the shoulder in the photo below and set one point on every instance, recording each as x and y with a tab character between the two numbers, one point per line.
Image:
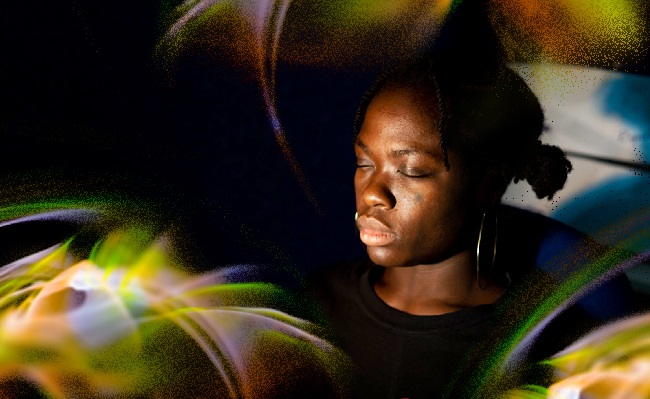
553	248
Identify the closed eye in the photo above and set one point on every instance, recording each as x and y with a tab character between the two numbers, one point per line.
363	164
414	173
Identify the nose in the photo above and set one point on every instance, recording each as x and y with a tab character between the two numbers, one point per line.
378	192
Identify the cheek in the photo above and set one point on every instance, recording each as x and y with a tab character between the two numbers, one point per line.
420	212
418	197
434	217
358	188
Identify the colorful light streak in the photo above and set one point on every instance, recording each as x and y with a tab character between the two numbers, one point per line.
362	32
578	32
54	210
612	362
126	323
604	32
265	21
532	316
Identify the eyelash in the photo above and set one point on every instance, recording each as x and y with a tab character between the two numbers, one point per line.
404	173
414	176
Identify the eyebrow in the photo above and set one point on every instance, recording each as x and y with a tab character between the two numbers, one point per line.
405	151
361	145
402	152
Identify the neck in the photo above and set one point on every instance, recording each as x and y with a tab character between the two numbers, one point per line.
434	289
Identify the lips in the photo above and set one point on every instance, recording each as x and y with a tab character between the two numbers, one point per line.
374	233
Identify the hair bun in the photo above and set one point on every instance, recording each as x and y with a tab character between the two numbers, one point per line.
545	168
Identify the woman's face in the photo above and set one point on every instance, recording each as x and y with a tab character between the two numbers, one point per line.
412	210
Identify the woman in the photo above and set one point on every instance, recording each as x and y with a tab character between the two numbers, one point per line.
437	142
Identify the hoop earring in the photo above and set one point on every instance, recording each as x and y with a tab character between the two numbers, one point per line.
356	216
478	250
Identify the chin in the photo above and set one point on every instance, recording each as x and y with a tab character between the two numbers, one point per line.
391	257
383	256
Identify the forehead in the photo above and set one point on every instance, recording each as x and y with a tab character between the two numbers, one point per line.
402	116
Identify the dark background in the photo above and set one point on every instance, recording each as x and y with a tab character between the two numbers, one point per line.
83	104
81	100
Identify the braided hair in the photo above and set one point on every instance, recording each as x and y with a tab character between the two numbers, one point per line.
487	113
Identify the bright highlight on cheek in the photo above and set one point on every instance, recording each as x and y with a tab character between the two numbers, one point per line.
121	328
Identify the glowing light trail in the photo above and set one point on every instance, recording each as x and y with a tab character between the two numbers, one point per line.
102	322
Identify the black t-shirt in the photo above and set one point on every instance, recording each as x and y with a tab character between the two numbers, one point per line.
399	355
